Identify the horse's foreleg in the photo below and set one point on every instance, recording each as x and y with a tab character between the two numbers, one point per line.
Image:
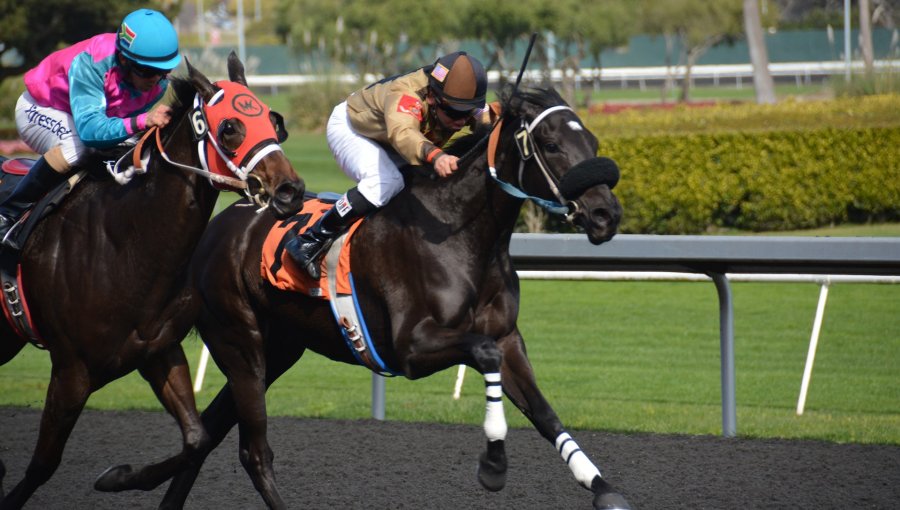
520	386
481	353
218	419
242	401
169	376
66	395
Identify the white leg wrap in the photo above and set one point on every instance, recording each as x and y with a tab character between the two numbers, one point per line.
581	466
494	419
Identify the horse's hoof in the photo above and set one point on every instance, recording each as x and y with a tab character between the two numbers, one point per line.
113	479
492	467
606	498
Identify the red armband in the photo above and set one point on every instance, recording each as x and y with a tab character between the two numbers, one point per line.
433	155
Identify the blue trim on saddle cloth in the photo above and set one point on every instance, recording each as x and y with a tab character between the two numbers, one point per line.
384	370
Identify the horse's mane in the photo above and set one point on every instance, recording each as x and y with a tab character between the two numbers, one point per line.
513	102
182	95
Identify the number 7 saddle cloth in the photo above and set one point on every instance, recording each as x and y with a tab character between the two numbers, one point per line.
335	284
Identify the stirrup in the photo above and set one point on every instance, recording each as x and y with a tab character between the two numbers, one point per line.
8	240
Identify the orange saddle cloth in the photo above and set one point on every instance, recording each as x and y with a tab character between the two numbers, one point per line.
280	269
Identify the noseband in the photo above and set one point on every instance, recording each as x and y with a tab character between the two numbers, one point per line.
577	180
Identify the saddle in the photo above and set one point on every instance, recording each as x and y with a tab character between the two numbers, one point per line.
14	306
335	284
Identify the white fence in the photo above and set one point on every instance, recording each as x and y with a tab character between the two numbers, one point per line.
802	72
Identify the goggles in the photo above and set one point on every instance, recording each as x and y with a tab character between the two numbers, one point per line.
456	114
147	71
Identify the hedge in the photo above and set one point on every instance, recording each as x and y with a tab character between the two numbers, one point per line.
714	176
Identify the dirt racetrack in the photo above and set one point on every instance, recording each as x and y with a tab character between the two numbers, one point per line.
387	465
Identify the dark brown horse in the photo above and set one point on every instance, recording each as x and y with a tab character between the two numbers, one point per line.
435	284
105	273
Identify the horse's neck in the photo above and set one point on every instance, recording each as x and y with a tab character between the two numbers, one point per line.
467	202
166	193
179	182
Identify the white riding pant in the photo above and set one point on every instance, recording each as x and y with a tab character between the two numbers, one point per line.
43	128
374	168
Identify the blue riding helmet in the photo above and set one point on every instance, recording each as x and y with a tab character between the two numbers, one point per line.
148	38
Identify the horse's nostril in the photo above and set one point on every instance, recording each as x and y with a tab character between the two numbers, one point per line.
601	216
289	191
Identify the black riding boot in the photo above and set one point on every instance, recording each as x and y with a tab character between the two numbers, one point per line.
37	182
307	248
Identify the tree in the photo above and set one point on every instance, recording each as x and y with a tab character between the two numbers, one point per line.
590	29
865	35
497	26
759	56
696	25
377	36
32	29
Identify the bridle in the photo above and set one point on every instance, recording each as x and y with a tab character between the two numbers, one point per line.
576	180
225	169
525	143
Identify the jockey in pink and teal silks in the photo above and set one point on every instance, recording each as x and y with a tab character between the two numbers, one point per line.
91	95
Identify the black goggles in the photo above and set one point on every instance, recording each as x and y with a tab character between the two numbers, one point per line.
147	71
456	114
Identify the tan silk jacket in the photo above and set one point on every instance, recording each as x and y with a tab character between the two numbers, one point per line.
395	114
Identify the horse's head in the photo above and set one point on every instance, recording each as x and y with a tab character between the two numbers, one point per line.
242	137
557	160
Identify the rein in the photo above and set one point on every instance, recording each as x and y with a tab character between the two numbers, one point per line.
139	164
525	142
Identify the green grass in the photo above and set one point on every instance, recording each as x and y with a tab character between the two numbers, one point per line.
620	356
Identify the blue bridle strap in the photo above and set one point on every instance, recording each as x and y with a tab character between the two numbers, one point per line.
547	205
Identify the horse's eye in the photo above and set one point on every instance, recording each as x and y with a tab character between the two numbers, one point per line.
231	134
551	147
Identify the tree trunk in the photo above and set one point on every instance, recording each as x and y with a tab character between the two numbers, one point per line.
570	68
669	82
686	82
759	56
865	35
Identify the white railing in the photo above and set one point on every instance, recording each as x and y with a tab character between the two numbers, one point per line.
799	70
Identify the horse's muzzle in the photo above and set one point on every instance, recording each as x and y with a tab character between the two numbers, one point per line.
598	212
287	199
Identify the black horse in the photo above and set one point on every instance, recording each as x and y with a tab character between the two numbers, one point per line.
105	273
435	285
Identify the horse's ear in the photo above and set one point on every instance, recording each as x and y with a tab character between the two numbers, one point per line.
236	69
281	133
200	81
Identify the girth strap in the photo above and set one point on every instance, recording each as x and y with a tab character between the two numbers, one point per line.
14	307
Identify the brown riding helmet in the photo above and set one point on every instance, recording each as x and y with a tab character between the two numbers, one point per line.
459	81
